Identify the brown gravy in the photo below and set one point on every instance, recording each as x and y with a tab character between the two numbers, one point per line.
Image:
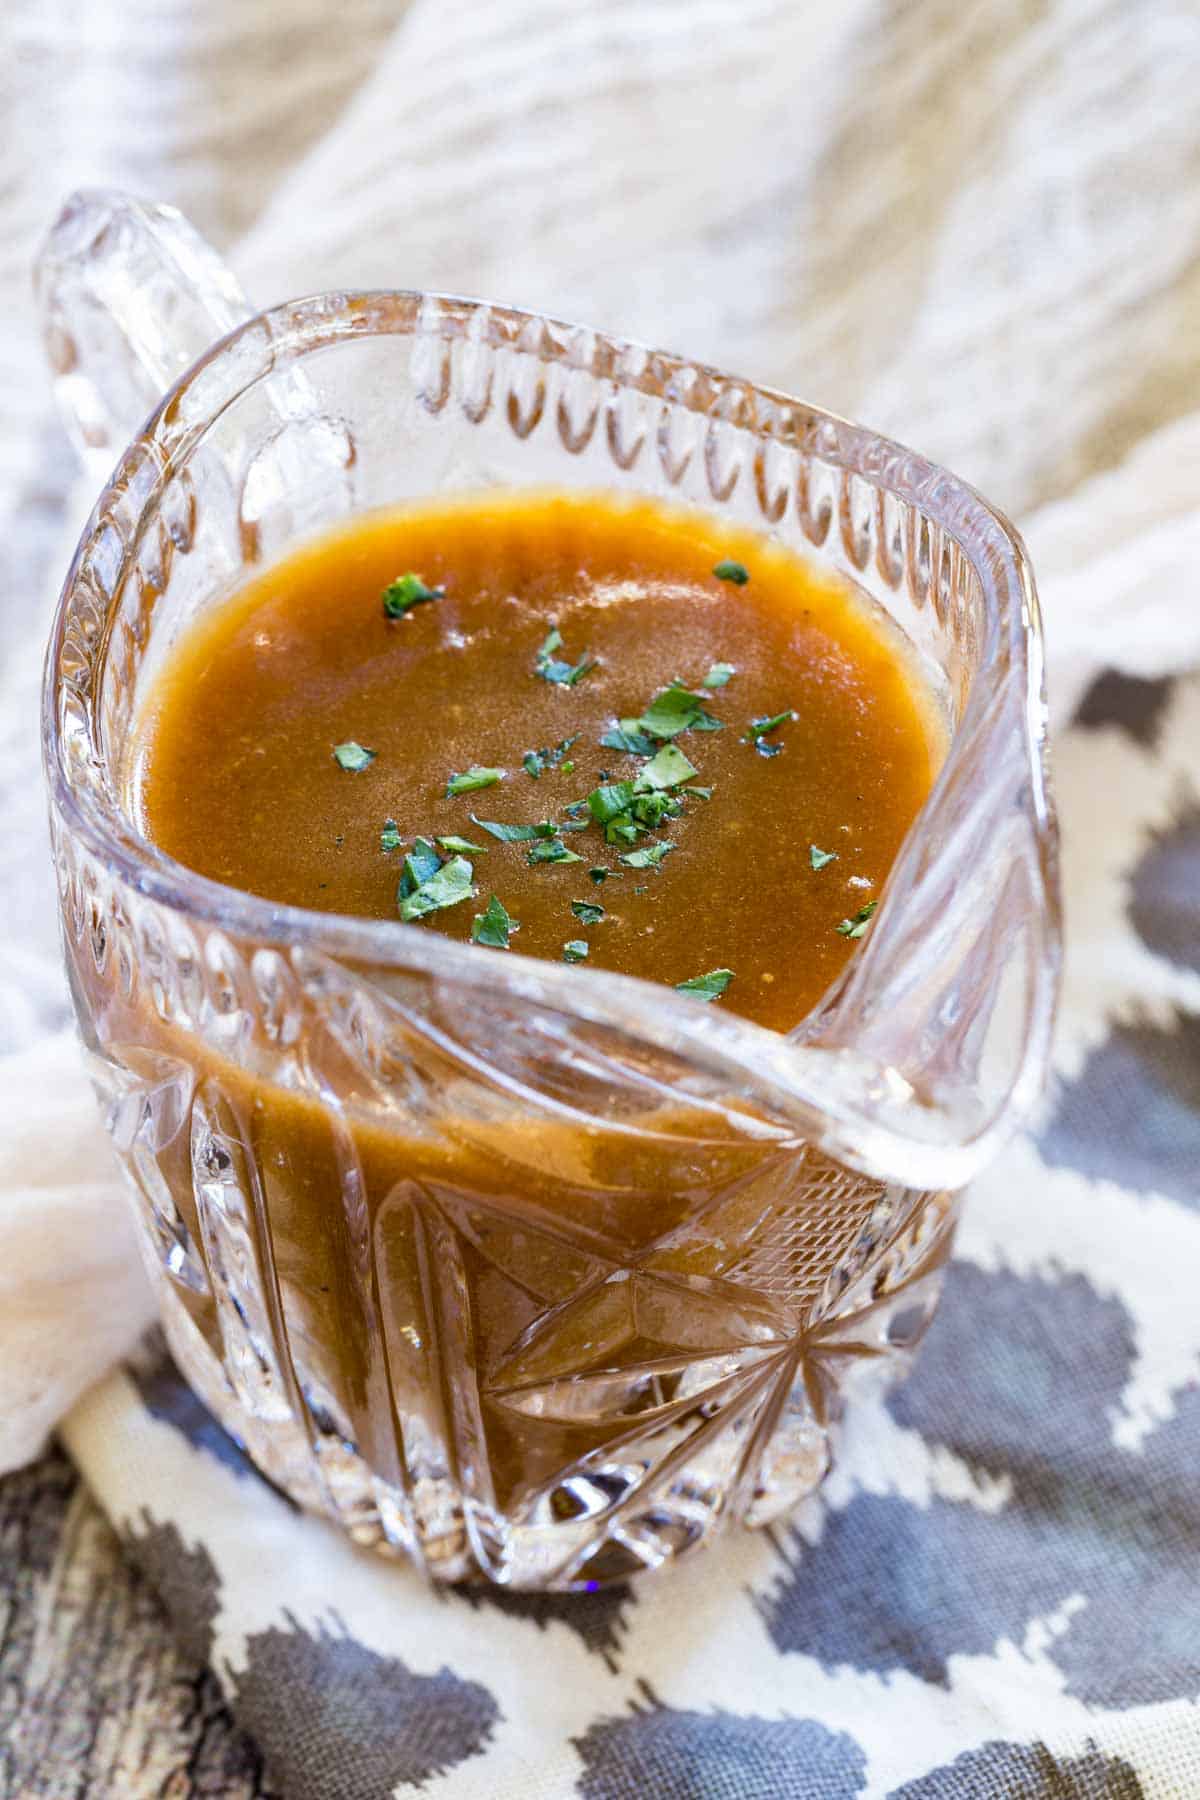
234	771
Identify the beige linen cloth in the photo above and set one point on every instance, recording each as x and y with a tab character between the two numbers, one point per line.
974	227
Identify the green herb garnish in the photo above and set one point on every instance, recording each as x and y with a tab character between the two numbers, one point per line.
729	570
389	837
649	810
674	710
718	676
550	668
421	862
649	856
599	874
407	591
757	727
634	742
668	769
461	846
756	732
536	762
475	777
610	800
514	834
448	887
855	927
819	858
575	951
353	756
586	911
702	793
551	851
706	987
494	926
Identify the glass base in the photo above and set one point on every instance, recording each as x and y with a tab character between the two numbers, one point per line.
726	1439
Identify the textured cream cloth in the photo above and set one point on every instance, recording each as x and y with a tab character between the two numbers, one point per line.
976	227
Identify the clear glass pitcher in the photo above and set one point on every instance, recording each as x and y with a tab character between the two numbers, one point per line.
528	1272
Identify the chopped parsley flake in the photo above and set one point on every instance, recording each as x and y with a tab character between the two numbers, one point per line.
448	887
856	927
536	762
649	856
461	846
421	862
551	851
353	756
706	987
718	676
550	668
599	873
494	926
587	912
407	591
702	793
649	810
389	837
757	727
676	709
514	834
756	732
728	570
668	769
819	858
621	737
575	951
609	801
475	777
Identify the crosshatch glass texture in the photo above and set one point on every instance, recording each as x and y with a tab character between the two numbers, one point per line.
526	1272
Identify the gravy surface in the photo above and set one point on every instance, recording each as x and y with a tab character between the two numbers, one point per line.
234	771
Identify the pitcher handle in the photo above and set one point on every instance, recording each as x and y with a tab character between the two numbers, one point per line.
130	295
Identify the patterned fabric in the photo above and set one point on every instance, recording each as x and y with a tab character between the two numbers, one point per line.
976	227
995	1592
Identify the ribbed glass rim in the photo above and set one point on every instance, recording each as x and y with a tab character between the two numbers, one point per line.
1011	670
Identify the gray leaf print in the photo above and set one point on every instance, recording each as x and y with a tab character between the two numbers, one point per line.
1134	703
337	1721
1020	1377
1025	1772
655	1751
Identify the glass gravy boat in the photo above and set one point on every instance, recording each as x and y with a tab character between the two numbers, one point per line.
531	1273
